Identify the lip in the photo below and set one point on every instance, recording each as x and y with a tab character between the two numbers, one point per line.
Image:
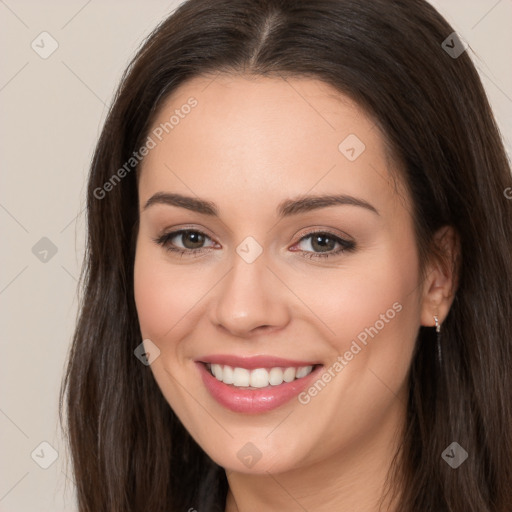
251	363
255	401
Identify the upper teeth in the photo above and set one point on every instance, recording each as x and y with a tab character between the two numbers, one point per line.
258	378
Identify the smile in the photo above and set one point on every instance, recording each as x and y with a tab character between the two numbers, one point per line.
257	384
258	378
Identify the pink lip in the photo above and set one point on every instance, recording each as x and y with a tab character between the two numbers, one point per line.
251	363
254	401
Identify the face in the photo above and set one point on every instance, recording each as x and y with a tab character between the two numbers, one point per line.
306	309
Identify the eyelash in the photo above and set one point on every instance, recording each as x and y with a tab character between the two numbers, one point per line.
164	241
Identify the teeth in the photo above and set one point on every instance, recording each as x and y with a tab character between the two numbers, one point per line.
303	371
217	371
258	378
289	374
241	377
275	377
227	375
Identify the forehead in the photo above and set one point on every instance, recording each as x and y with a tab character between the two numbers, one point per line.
257	137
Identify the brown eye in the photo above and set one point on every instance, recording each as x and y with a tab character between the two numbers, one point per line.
191	239
322	242
323	245
184	241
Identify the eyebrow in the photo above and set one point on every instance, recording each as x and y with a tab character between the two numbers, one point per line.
286	208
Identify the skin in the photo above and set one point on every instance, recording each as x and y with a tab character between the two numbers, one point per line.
250	143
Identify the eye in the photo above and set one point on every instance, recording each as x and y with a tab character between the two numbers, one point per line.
191	241
325	243
318	244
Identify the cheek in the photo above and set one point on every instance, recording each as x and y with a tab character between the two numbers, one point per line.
377	294
152	296
163	293
374	314
164	298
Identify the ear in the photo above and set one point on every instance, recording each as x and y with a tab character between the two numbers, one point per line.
442	273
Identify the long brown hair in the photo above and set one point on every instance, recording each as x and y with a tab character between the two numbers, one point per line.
128	449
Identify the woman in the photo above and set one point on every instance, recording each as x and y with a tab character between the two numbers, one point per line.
299	270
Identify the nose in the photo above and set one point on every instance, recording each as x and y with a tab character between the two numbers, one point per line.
250	299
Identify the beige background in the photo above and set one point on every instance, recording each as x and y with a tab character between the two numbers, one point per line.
51	113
